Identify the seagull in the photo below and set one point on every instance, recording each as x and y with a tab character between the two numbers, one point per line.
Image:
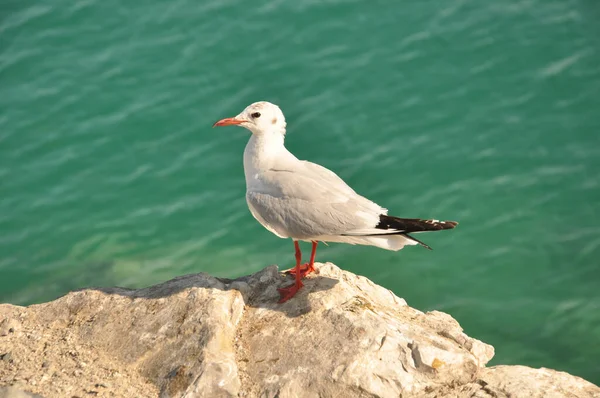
304	201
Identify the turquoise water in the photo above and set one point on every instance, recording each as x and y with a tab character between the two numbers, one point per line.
483	112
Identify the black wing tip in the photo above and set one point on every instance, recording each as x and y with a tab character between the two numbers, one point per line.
413	224
450	224
437	225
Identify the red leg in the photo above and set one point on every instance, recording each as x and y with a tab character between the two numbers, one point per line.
307	268
287	293
313	253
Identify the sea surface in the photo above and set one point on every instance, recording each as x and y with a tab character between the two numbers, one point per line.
484	112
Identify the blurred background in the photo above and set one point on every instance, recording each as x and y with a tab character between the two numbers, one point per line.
485	112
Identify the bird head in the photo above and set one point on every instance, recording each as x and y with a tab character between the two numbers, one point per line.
260	118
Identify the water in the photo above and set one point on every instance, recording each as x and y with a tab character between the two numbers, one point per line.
483	112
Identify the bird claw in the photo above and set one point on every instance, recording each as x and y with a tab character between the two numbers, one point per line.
287	293
305	269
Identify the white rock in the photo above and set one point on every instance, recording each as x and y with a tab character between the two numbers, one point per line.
200	336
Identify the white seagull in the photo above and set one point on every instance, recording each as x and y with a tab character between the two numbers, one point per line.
301	200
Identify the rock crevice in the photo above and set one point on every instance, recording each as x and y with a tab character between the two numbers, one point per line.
201	336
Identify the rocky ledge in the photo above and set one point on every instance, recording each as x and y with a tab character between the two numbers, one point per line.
201	336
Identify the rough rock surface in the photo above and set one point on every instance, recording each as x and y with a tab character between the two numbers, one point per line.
200	336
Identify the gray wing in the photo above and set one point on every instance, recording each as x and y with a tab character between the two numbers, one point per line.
308	200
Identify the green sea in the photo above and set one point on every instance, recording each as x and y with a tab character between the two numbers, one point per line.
484	112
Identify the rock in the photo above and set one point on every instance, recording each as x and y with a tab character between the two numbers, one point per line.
523	382
9	325
11	392
200	336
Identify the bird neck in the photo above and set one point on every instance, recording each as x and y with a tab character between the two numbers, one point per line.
263	152
264	147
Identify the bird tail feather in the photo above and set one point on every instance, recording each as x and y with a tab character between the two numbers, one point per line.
390	225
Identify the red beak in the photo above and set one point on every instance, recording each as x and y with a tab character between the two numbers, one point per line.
228	121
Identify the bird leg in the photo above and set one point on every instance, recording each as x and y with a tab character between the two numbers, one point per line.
307	268
287	293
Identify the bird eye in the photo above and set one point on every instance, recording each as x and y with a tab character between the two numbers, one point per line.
255	115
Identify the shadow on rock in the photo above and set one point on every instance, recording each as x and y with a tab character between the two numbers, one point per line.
258	290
